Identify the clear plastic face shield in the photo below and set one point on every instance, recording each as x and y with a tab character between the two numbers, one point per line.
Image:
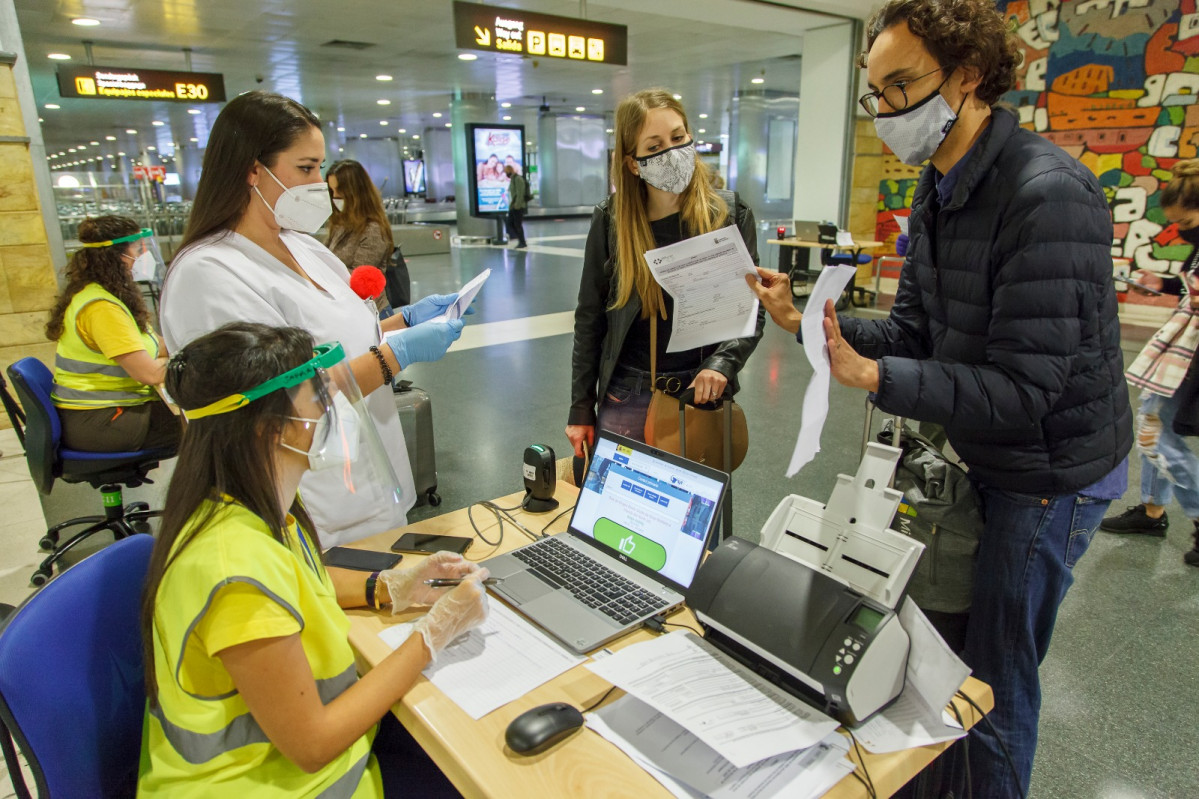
329	422
141	251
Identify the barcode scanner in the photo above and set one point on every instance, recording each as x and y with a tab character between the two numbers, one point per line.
541	477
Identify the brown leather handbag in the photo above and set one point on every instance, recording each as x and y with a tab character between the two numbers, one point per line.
717	436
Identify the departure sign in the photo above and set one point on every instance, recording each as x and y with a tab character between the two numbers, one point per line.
509	30
125	83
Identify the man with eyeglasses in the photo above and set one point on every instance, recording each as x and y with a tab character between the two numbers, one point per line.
1004	330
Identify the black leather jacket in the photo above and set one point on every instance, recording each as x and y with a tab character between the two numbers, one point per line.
600	330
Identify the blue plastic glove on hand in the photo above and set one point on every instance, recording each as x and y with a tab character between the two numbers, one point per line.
423	343
430	307
901	244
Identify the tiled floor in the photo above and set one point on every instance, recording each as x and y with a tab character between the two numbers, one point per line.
1120	680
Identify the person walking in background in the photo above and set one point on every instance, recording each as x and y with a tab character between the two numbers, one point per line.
109	359
359	233
1169	469
1004	330
517	203
663	195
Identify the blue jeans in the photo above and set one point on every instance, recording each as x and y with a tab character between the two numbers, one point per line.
1025	561
1169	470
625	403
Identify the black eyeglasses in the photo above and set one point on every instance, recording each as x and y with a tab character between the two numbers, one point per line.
896	94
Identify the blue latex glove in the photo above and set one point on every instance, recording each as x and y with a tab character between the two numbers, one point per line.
423	343
901	244
430	308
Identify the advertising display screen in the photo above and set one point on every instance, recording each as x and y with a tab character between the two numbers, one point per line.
489	149
414	176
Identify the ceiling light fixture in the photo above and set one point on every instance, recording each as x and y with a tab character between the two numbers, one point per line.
382	102
507	118
383	77
131	131
677	96
402	130
58	56
597	91
467	57
505	105
158	123
703	116
580	108
85	22
437	115
193	139
193	111
449	124
382	121
362	135
341	129
52	106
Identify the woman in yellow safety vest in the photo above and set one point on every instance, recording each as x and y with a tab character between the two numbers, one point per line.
109	358
249	672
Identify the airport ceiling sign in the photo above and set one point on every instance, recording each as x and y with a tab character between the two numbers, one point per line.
494	29
131	83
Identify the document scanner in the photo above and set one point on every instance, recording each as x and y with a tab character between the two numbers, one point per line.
813	609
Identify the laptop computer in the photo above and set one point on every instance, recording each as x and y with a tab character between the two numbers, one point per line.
806	231
636	538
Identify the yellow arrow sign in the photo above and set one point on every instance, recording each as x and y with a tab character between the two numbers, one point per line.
483	37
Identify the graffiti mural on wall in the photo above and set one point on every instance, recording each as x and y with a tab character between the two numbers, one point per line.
1115	83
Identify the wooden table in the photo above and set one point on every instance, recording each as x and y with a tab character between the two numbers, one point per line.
472	753
854	292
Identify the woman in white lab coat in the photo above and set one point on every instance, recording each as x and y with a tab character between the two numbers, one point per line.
247	256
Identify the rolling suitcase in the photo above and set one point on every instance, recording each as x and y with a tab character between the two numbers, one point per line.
416	417
726	510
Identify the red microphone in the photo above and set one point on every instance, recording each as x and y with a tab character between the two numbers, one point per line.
367	281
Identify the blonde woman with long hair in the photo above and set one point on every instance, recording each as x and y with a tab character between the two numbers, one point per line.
663	195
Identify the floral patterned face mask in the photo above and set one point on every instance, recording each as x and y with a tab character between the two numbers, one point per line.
671	169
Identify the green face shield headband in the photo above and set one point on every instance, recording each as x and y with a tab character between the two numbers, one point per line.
324	356
144	233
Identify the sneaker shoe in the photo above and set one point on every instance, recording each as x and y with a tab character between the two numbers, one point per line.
1192	558
1135	521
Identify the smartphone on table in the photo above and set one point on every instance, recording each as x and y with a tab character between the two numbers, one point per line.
365	560
423	542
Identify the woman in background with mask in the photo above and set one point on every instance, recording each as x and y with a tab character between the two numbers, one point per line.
663	195
248	254
249	674
359	232
1169	469
109	358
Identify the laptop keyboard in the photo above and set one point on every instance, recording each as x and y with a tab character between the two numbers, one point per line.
592	583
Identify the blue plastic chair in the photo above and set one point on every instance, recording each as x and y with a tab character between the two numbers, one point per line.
72	692
49	460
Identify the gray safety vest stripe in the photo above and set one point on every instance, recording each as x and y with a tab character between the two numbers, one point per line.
347	783
88	368
63	393
200	747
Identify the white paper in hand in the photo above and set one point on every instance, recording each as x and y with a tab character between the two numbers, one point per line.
466	295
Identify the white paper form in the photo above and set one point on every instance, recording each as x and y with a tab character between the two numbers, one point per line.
500	660
934	674
902	221
706	277
732	710
828	286
689	768
466	295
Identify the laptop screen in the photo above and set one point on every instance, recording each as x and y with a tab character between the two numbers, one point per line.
651	509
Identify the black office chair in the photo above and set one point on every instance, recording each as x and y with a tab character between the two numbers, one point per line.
49	460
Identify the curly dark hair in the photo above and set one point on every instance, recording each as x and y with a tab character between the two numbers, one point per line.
103	265
959	33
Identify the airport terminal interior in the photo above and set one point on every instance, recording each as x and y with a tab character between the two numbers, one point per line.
396	90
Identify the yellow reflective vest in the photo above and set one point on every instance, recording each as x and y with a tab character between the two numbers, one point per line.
201	740
83	378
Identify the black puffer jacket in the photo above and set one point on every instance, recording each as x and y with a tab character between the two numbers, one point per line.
600	331
1004	328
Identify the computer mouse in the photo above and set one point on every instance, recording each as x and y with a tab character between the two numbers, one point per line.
540	728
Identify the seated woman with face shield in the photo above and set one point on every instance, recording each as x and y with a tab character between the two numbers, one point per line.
109	358
250	676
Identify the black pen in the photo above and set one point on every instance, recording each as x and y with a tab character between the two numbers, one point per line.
447	582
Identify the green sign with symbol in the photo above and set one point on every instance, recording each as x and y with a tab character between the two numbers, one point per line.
637	547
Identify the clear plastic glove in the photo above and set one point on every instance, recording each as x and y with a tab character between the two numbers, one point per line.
462	609
423	343
406	587
430	307
901	244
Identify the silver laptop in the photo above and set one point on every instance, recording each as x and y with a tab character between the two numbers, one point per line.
806	231
635	541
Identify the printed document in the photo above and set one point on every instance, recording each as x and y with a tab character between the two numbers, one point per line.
706	277
732	710
689	768
934	674
466	295
500	660
828	286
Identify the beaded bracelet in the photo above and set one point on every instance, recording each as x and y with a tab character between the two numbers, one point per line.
372	593
387	376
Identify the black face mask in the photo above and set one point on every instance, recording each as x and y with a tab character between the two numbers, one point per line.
1190	235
